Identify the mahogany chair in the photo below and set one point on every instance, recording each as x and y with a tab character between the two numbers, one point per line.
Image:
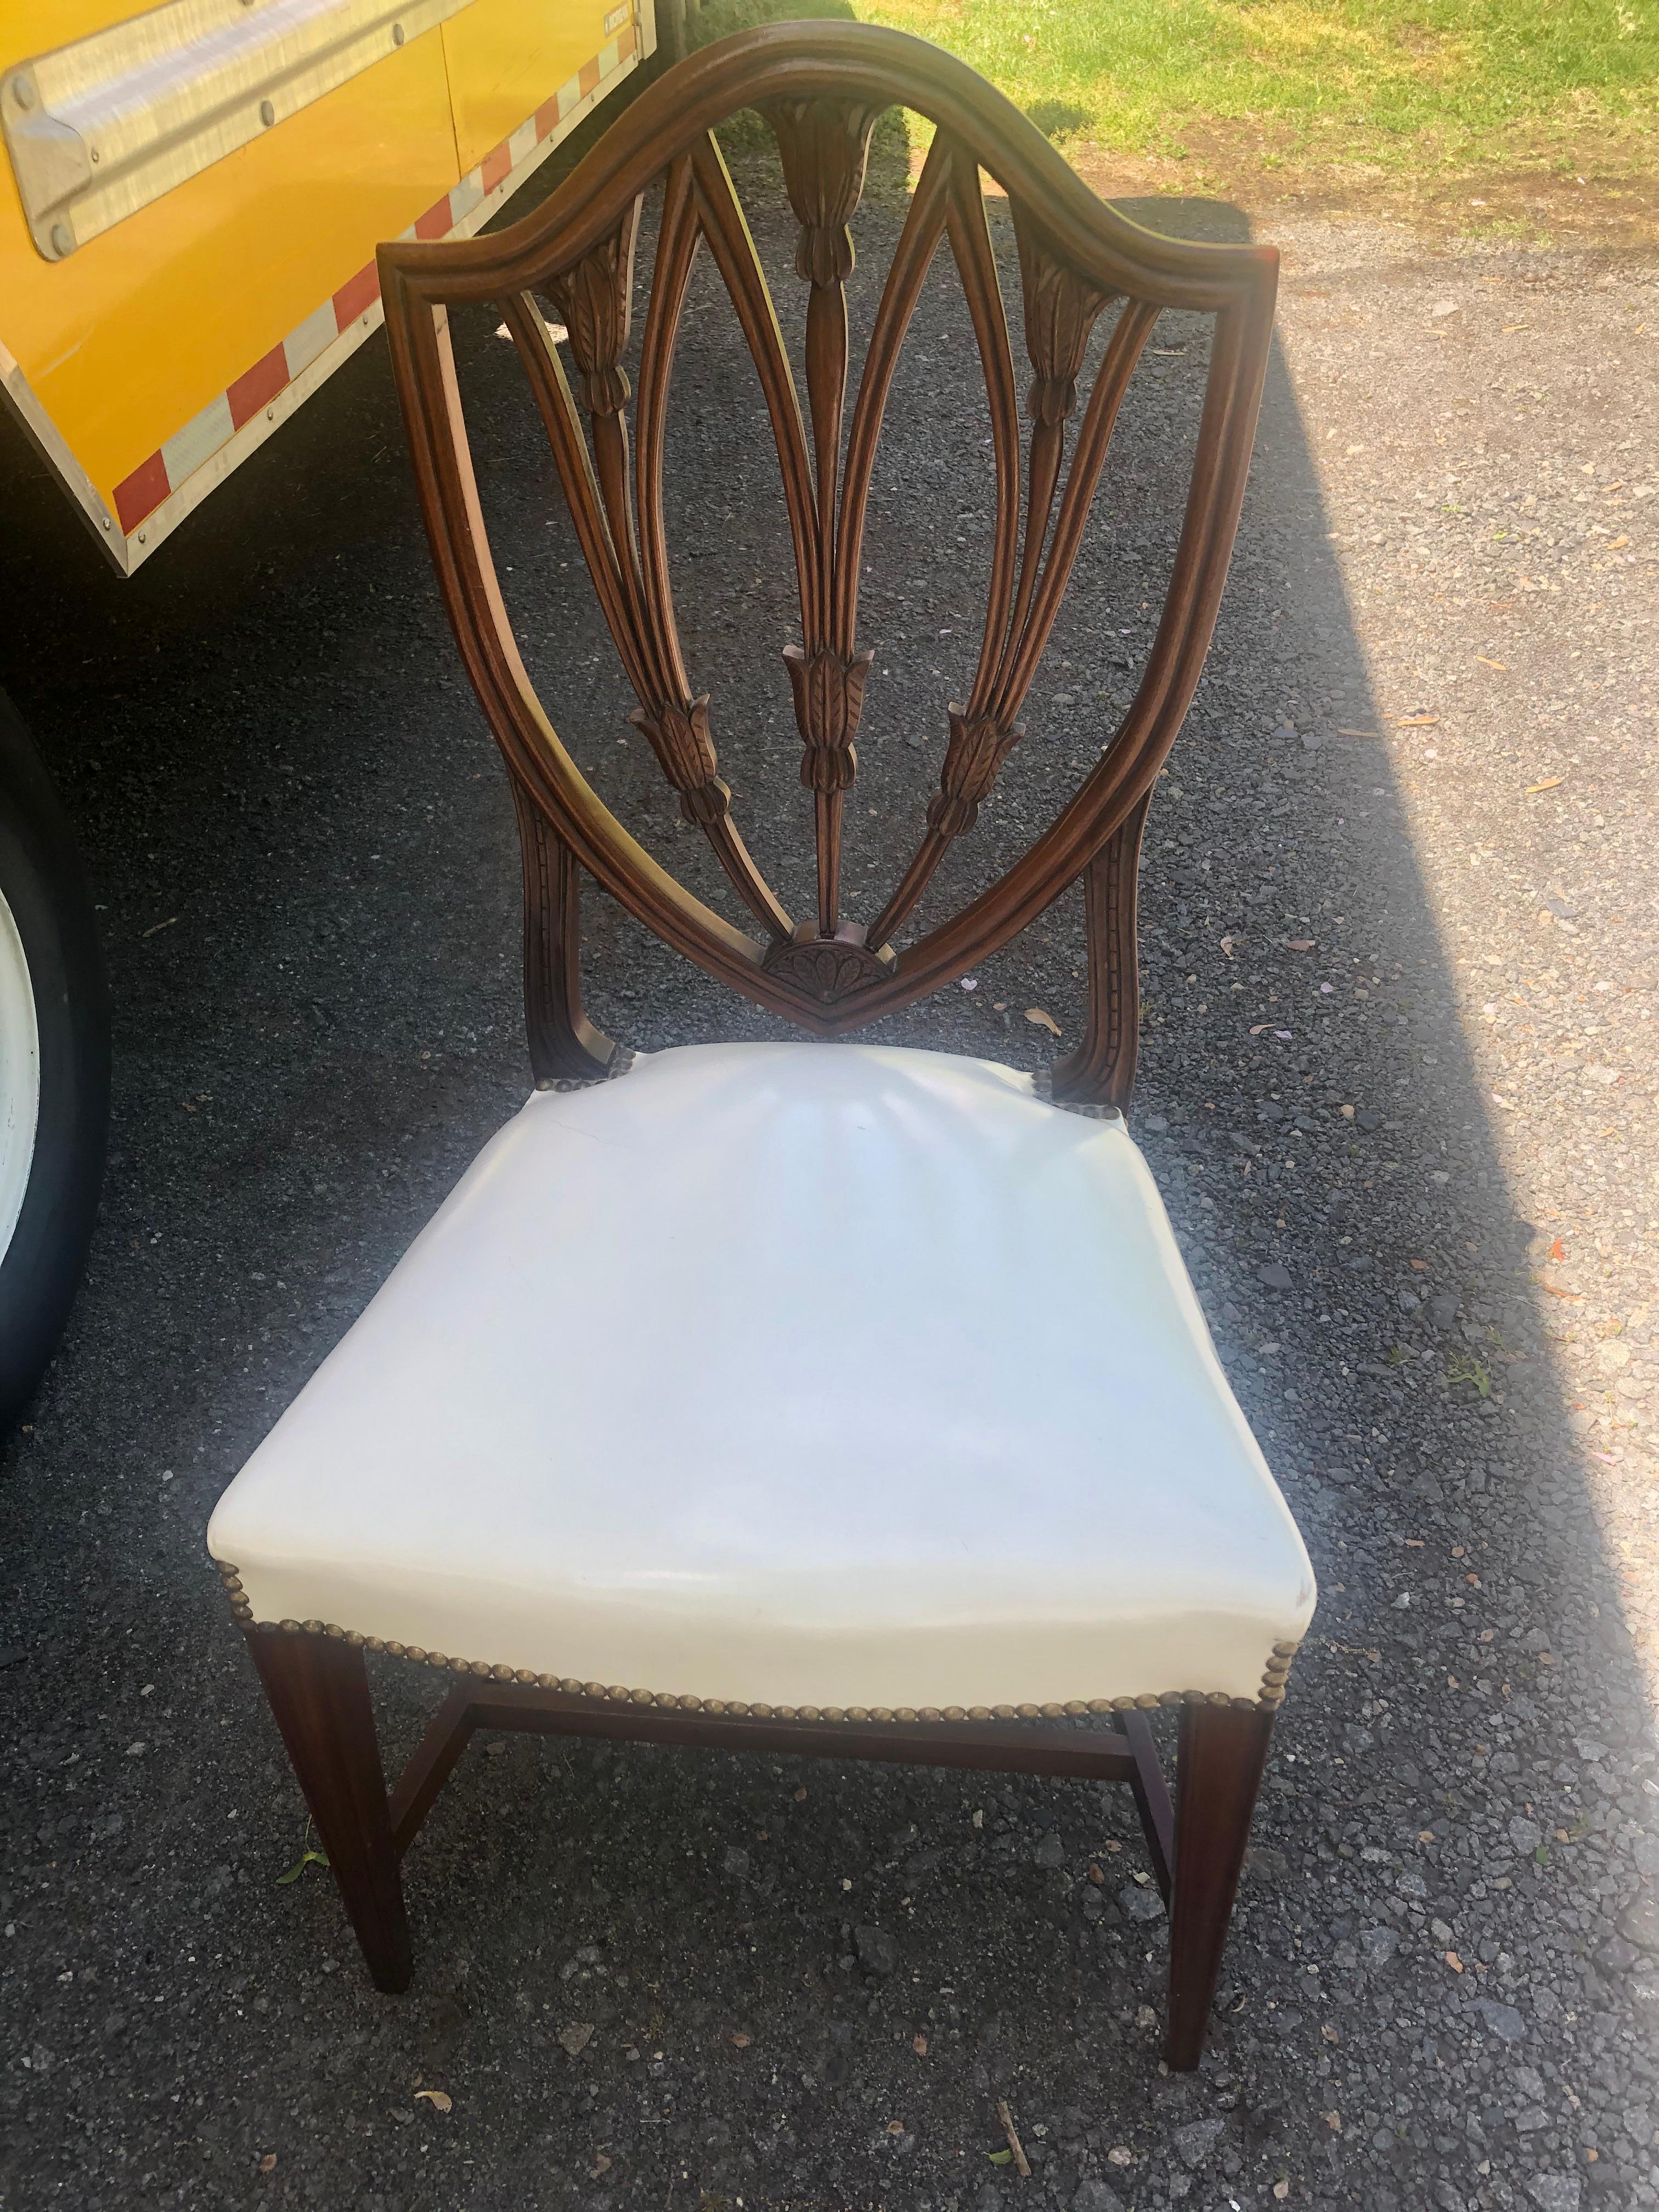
843	1401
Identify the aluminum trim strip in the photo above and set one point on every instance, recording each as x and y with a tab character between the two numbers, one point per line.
99	128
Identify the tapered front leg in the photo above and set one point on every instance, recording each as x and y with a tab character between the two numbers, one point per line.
319	1694
1223	1749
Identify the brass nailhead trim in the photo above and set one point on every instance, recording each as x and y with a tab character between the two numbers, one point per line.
1275	1675
621	1061
1270	1695
1042	1084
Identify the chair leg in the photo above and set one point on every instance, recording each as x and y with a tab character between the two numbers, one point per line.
1223	1751
319	1694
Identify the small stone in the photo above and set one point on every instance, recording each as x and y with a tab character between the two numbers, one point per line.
1379	1945
1157	1123
1368	1118
877	1954
577	2037
1526	1835
1141	1903
1274	1276
734	1864
1093	2195
1555	2192
1615	1956
1639	1923
1443	1311
1194	2143
1050	1852
1505	2022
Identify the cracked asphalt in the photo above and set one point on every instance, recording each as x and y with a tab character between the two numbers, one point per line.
1398	1087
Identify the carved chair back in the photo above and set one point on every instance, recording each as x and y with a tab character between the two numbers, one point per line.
821	86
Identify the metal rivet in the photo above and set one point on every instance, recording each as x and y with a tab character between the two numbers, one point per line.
95	155
22	92
63	241
141	537
397	34
270	413
267	113
106	522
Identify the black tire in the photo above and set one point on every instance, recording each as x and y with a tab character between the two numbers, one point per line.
44	891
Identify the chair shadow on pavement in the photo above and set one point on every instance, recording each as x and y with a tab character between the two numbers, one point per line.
640	1975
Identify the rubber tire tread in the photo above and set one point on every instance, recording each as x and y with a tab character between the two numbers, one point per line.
45	887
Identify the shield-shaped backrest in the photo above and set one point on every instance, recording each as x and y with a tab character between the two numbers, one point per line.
821	87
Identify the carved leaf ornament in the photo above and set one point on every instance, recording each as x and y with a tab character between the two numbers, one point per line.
821	86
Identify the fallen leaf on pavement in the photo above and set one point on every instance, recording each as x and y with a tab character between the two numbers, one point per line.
267	2164
577	2036
740	2041
439	2100
1557	1251
1453	1962
601	2165
1356	733
1042	1019
1617	545
1300	944
1416	721
918	2045
1501	667
1548	784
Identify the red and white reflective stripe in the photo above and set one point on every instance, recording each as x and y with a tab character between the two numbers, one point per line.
159	492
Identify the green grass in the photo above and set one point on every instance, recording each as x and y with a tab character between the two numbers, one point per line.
1455	85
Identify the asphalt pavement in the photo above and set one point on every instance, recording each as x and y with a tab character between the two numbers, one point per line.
1398	1087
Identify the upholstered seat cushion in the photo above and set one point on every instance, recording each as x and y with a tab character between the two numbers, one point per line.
820	1376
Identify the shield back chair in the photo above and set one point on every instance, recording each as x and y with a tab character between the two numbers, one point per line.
855	1402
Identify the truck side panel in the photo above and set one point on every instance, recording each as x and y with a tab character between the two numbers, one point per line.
150	360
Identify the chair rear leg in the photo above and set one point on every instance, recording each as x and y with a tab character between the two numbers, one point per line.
1223	1751
319	1694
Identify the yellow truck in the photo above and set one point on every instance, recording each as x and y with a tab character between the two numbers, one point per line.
190	203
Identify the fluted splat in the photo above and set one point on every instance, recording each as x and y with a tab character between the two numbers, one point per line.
1061	309
824	146
821	86
594	294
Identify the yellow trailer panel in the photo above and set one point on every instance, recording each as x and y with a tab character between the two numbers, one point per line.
152	358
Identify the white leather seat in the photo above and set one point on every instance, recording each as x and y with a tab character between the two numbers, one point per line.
820	1377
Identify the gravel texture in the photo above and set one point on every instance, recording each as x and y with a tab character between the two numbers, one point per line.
1398	1086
